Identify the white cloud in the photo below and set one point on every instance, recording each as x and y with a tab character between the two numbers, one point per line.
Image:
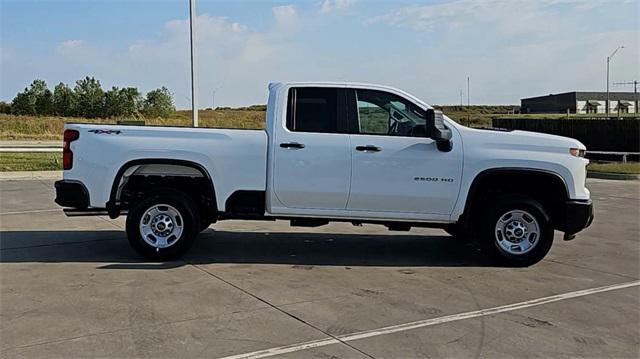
328	6
232	58
284	14
70	45
516	48
513	16
511	49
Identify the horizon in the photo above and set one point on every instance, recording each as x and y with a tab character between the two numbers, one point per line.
550	46
50	86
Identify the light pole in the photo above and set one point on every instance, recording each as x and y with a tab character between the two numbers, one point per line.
194	86
608	61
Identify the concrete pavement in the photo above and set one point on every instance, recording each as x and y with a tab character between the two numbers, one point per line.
71	287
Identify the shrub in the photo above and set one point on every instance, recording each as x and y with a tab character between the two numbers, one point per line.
23	104
64	100
5	107
90	98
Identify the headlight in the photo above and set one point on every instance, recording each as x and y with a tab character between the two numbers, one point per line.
577	152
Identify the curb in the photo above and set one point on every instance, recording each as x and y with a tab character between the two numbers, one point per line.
613	176
30	175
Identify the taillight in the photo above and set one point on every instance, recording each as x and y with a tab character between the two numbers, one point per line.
67	155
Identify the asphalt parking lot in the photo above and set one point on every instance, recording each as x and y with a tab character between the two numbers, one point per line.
72	287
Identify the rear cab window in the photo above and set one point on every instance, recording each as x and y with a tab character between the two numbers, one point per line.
316	109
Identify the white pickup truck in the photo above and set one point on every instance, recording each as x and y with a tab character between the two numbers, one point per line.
331	152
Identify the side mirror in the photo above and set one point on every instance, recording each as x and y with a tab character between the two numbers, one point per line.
437	131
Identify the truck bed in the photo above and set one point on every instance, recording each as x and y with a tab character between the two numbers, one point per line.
101	150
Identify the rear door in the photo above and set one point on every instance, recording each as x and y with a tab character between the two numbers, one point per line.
395	168
312	156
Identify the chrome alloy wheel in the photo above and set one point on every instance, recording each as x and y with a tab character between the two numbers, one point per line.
161	226
517	232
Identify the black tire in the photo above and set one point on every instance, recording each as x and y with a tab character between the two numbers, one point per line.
500	208
188	217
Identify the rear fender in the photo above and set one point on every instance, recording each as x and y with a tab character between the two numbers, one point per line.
153	167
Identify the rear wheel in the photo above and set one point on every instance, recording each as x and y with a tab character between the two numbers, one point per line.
164	225
517	231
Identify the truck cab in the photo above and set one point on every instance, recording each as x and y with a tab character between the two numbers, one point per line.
332	152
358	153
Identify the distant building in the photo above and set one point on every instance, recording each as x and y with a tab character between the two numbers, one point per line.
580	102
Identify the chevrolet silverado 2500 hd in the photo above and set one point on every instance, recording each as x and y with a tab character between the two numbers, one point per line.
331	152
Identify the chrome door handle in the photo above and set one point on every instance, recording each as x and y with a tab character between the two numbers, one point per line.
295	145
368	148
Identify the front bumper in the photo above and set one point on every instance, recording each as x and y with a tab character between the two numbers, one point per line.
578	216
71	194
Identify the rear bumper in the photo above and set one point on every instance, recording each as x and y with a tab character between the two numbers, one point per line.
72	194
578	216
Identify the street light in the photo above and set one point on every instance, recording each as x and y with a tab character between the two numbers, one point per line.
194	85
609	60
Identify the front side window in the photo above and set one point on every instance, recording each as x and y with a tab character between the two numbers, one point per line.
314	109
383	113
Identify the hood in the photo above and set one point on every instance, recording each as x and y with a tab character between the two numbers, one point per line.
532	141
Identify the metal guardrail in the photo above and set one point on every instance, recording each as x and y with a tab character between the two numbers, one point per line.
613	153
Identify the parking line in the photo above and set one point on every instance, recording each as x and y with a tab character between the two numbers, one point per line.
429	322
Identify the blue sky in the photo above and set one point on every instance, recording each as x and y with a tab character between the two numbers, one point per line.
510	48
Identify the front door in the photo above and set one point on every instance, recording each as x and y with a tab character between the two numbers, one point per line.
395	168
312	156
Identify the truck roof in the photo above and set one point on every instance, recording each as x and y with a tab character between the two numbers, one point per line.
330	83
276	85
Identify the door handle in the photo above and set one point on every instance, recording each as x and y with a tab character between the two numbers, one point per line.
292	145
368	148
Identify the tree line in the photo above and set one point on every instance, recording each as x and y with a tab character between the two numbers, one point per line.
88	99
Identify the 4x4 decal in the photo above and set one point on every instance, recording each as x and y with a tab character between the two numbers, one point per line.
106	132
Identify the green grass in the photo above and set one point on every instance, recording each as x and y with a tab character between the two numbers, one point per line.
14	127
615	167
30	161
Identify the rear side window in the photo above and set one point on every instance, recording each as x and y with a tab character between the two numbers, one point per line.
315	109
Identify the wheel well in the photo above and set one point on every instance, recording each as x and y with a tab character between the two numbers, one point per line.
545	187
246	202
136	178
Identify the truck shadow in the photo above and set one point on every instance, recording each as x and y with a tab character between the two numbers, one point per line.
292	248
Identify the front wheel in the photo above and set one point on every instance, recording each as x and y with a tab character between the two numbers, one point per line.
517	231
164	225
